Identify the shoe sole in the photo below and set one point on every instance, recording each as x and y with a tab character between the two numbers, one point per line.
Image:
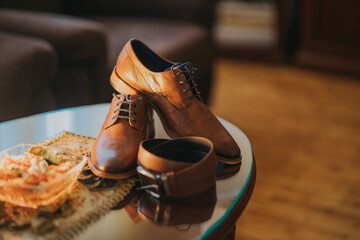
124	88
116	176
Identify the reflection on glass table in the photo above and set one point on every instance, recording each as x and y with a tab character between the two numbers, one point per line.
142	217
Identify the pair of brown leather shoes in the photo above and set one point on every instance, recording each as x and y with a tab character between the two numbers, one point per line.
147	81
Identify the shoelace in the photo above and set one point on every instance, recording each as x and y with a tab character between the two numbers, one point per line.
124	109
188	70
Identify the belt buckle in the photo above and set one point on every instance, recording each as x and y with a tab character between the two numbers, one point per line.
157	185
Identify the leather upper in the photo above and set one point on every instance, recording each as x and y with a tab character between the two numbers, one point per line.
115	149
150	75
167	83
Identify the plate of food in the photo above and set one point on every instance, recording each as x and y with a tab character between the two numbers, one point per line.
34	175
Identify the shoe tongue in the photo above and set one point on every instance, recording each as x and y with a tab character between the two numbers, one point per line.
125	106
185	72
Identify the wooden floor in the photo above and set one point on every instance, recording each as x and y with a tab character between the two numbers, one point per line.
305	131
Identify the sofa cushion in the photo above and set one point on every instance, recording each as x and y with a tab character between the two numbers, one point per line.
27	66
75	39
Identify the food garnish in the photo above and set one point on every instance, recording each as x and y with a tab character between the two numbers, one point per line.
37	166
49	154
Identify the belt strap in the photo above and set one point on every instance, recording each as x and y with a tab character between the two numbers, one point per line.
177	168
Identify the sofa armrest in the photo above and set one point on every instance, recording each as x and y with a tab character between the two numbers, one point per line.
73	38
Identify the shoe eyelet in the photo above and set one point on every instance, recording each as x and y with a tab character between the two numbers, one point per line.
184	90
181	82
187	98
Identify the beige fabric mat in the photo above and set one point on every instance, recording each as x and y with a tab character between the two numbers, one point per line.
84	205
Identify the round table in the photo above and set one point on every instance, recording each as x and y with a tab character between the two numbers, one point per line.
233	187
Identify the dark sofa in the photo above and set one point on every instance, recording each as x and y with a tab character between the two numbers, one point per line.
85	37
26	67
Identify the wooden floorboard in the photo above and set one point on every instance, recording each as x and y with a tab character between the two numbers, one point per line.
305	131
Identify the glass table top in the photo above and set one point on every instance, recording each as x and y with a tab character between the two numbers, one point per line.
142	219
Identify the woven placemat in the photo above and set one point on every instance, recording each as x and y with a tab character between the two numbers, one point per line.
90	199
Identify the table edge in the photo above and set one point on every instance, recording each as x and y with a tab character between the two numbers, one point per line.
227	224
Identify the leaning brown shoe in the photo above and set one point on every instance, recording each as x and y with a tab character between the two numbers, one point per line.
114	153
174	95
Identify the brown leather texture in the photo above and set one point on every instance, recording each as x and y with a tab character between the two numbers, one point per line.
185	166
115	150
141	71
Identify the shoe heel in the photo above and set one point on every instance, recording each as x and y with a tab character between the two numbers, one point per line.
151	132
120	85
151	129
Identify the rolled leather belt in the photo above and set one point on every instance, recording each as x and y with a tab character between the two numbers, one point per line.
176	168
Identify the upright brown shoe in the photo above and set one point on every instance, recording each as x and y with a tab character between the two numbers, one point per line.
114	153
174	95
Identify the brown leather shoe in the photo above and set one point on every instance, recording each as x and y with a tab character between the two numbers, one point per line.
174	95
114	153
